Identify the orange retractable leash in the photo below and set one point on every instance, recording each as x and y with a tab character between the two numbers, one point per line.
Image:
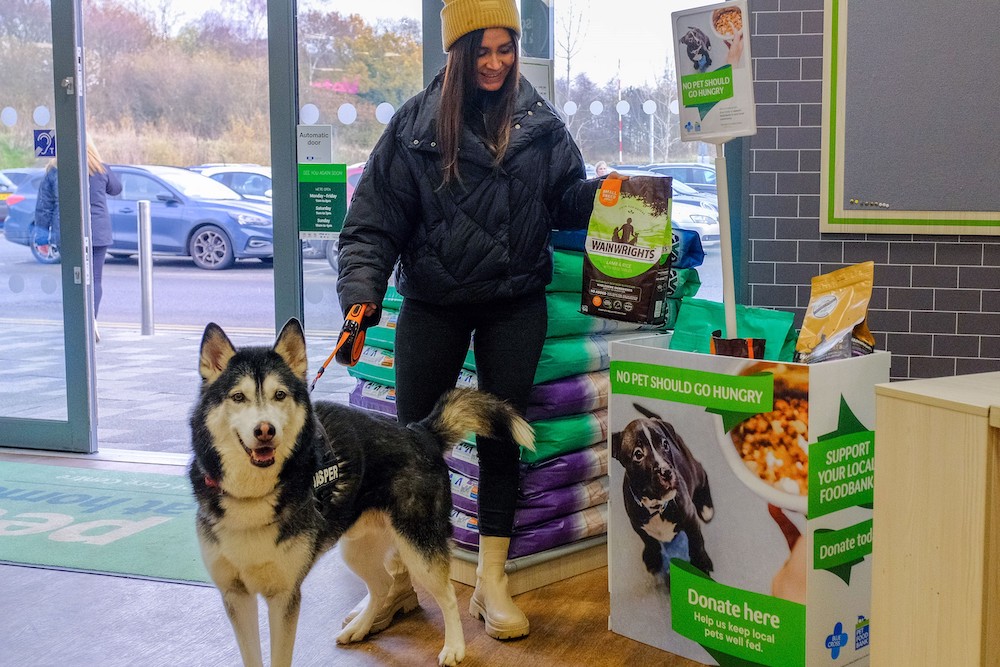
351	342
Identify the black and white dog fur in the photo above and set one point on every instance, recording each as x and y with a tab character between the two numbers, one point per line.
665	490
280	480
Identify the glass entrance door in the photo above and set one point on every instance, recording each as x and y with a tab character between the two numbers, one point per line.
47	350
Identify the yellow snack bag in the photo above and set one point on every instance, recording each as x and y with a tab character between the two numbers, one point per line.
835	324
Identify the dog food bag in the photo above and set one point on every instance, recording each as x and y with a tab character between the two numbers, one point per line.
464	492
463	459
373	397
577	466
698	318
585	392
626	262
567	271
746	348
552	504
565	318
565	434
835	325
686	251
575	239
393	300
572	468
375	365
576	526
545	506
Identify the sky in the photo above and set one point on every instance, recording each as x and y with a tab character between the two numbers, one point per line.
633	38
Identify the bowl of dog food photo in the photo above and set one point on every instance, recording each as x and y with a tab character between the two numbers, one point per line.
769	452
727	22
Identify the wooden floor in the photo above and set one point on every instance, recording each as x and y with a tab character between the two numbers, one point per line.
569	627
569	619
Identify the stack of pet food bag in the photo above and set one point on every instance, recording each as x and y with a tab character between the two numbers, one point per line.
564	482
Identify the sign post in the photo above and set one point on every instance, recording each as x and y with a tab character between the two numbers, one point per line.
715	89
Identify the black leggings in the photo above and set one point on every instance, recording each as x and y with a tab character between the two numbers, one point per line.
431	344
100	253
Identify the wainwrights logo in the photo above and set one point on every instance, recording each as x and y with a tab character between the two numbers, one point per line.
836	641
861	633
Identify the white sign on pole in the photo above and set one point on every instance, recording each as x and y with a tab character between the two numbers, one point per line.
540	73
714	75
314	144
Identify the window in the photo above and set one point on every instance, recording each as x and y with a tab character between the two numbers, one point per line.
135	187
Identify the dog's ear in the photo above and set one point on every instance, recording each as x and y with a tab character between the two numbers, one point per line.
216	351
291	346
644	412
616	444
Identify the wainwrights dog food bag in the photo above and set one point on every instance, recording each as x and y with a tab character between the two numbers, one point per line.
626	265
835	325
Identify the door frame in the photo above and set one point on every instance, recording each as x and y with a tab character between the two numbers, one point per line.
79	432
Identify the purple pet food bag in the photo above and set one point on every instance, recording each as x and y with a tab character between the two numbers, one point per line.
528	540
585	392
578	466
537	508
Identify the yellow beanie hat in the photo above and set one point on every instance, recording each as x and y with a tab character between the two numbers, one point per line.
460	17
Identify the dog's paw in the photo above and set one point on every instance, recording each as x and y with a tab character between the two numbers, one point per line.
354	632
451	655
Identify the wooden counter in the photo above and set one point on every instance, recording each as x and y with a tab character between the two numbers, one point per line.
936	530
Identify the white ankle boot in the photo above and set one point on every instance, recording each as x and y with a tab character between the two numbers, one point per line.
491	601
402	599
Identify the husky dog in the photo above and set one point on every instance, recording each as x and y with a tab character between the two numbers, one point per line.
280	480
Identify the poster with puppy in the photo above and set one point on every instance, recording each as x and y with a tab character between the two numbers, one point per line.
714	75
740	514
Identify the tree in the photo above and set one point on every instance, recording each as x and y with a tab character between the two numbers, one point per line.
571	28
26	21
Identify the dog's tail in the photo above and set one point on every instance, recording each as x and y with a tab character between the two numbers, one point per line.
464	411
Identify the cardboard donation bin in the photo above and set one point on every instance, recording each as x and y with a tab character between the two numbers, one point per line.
740	508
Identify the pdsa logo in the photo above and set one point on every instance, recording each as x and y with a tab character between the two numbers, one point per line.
836	641
861	633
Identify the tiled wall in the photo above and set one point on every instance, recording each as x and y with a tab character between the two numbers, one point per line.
936	302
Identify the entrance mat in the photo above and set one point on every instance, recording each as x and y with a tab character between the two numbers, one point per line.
122	523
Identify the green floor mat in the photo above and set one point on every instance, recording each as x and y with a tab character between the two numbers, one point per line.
122	523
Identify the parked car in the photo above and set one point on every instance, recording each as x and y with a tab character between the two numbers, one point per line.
689	209
7	187
699	176
19	175
191	215
26	185
250	180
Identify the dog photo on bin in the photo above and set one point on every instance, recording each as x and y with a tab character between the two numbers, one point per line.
665	493
279	480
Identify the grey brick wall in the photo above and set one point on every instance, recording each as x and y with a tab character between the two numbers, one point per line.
936	302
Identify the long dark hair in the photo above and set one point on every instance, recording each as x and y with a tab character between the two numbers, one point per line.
460	83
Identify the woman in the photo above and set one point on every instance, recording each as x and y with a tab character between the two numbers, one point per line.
103	182
463	189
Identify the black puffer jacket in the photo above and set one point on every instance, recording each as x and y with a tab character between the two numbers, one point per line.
485	238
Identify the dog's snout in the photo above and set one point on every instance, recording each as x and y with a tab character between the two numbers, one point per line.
264	432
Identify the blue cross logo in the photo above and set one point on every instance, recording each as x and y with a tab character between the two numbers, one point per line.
837	640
